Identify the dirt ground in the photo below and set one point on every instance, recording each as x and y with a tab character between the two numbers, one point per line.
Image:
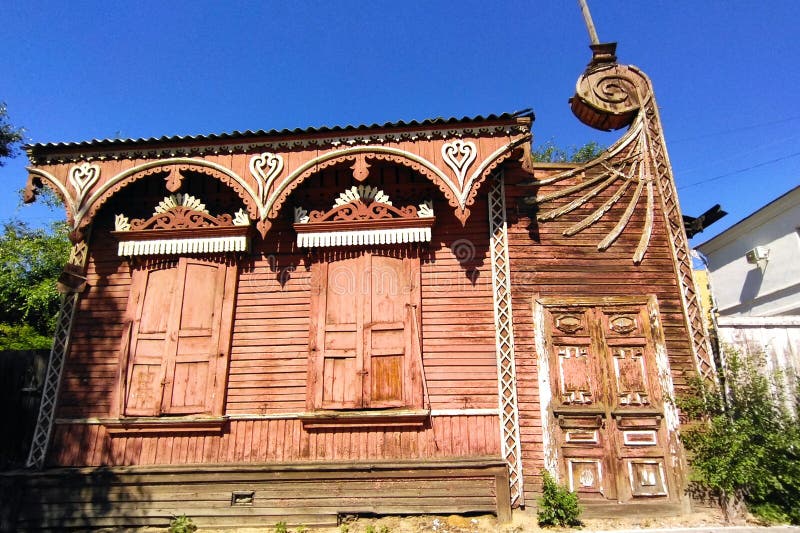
523	521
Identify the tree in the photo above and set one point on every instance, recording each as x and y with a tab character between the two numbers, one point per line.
746	448
549	152
30	263
10	136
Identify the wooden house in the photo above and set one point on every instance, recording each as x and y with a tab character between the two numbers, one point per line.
400	318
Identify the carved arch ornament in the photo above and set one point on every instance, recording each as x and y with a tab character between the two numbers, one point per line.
611	96
460	188
82	207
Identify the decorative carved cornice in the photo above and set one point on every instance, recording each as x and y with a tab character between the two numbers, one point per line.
322	143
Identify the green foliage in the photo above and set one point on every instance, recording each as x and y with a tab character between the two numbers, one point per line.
280	527
550	153
370	529
182	524
557	506
344	528
30	263
749	450
10	136
301	529
383	529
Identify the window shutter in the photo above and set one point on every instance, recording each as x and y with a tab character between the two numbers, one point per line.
180	339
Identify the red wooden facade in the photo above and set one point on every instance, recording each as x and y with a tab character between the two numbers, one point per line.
391	295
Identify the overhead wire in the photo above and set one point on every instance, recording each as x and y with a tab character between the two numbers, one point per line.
741	170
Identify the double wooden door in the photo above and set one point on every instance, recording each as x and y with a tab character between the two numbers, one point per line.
362	342
608	402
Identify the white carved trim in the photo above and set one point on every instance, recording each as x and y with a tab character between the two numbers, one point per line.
366	193
236	243
425	209
265	168
597	462
510	442
363	237
300	215
459	155
52	180
628	441
175	200
122	223
82	177
240	218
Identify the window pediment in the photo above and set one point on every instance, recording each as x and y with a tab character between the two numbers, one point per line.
181	224
364	215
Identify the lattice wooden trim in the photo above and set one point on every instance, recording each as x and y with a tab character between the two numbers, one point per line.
504	338
701	344
55	366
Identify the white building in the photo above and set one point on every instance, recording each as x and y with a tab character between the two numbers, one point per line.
754	270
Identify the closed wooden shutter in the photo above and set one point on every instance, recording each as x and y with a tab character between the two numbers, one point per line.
362	337
180	338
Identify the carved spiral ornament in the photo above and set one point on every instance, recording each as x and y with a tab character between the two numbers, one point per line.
608	96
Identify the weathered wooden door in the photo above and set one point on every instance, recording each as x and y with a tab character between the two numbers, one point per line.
361	345
174	347
608	402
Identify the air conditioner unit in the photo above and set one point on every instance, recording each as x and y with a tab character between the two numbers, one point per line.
757	254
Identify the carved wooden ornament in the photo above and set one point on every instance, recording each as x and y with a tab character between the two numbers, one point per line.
363	215
181	224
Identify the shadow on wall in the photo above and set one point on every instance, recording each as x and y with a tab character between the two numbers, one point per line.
751	286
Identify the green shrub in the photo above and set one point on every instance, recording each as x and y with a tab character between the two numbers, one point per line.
746	448
280	527
182	524
557	506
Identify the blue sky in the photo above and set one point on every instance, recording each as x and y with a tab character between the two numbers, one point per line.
725	73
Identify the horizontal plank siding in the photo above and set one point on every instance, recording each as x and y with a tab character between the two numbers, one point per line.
268	368
314	494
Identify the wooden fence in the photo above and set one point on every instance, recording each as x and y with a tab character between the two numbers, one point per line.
21	378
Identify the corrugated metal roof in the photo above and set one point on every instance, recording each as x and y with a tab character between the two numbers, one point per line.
95	143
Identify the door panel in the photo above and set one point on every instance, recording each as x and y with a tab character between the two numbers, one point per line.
387	333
